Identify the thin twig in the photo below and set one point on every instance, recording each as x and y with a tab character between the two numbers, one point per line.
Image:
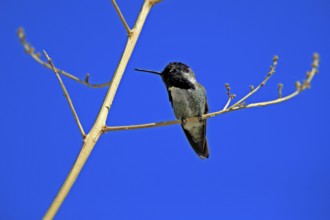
227	103
254	90
230	96
37	57
122	18
66	94
299	88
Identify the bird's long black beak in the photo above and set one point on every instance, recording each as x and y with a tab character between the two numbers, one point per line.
148	71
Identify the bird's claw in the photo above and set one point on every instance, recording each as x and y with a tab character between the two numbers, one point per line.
183	120
200	118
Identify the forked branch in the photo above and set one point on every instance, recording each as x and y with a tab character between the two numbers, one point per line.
97	129
122	18
37	56
66	94
239	104
254	90
230	96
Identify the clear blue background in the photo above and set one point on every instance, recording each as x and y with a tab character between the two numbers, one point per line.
265	163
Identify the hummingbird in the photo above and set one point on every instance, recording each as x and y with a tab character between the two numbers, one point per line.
188	99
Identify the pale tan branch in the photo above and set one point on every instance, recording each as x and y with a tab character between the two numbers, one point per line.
227	103
37	57
163	123
122	18
254	90
299	88
66	94
230	96
97	129
276	101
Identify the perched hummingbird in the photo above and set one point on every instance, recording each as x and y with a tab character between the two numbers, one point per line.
188	99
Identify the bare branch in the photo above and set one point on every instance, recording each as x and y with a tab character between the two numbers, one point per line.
299	87
253	90
228	102
230	96
238	105
66	94
128	30
97	128
37	57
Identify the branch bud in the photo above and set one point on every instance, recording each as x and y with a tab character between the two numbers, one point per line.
242	105
21	35
298	86
228	89
280	87
307	84
31	50
87	78
153	2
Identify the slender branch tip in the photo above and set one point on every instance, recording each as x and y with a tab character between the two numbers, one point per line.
37	57
227	88
122	18
46	55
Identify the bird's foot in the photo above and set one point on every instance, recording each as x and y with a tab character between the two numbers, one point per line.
183	120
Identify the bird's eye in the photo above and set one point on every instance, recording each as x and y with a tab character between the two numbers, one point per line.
173	71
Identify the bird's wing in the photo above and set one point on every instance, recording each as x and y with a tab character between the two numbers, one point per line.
170	96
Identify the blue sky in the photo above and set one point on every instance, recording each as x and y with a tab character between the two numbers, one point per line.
265	163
